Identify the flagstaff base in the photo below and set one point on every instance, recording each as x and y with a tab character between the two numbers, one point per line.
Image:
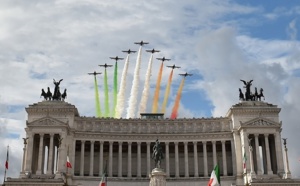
157	177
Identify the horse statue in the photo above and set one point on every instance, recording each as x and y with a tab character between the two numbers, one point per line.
45	95
64	95
242	98
157	154
261	94
49	93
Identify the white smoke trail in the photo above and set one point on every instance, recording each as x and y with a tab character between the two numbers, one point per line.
121	93
145	93
135	87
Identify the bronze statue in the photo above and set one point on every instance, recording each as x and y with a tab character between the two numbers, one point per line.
56	94
157	154
241	95
248	91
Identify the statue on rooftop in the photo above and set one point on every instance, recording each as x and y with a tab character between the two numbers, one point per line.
56	94
157	154
248	91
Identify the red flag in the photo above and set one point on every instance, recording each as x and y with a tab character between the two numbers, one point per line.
6	163
102	182
68	163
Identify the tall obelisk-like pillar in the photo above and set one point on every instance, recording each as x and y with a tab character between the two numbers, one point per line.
157	175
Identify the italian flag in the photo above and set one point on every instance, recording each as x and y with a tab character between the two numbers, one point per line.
6	162
69	165
102	182
244	162
215	177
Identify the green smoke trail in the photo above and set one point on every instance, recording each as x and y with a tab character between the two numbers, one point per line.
115	89
98	108
106	94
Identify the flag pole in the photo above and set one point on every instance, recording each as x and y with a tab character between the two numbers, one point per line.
67	167
6	165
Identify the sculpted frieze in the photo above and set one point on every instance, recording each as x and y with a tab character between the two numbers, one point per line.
153	126
47	121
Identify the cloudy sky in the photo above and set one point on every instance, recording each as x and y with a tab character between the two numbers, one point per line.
220	42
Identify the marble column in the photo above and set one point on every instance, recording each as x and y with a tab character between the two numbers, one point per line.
205	159
279	154
186	160
252	173
92	159
110	159
73	151
139	159
196	172
167	159
214	153
224	158
176	160
148	158
287	174
24	155
40	158
50	152
82	158
101	158
129	160
28	164
269	169
120	160
258	160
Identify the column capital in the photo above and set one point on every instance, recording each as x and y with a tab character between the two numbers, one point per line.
51	135
166	143
213	142
223	141
82	141
204	142
101	142
139	143
120	142
41	134
266	135
129	142
92	141
176	142
256	135
111	142
195	142
185	143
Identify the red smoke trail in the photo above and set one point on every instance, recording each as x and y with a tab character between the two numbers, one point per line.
177	101
157	89
164	105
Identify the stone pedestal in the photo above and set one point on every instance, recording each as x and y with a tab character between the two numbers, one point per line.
157	177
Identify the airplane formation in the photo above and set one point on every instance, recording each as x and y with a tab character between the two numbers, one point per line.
119	97
141	43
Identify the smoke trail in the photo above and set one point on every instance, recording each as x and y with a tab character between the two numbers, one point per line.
115	88
135	87
121	94
177	101
157	89
145	93
106	94
98	108
164	105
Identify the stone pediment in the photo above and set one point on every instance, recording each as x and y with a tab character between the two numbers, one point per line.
47	121
261	122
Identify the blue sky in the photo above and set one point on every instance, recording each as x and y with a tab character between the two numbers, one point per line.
220	42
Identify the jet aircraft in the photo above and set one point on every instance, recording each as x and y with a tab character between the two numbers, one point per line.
141	43
186	74
152	51
116	58
105	65
94	73
173	66
128	51
163	59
